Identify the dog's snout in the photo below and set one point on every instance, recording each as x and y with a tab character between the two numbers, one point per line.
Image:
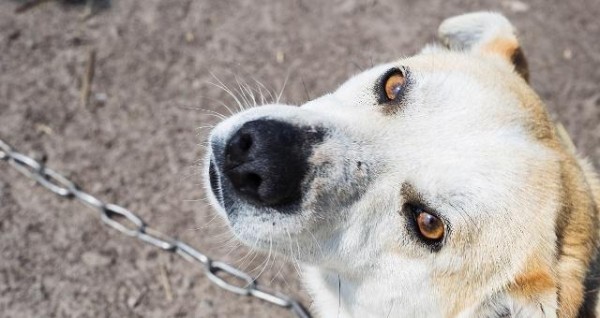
266	161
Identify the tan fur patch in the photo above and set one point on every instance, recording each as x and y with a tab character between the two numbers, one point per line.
577	229
509	49
505	47
537	280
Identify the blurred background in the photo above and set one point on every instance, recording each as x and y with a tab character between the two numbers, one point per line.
118	95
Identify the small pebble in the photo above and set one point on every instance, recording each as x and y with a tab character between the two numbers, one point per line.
189	37
516	6
43	128
100	99
280	57
95	259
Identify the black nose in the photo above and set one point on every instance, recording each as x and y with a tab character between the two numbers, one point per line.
266	161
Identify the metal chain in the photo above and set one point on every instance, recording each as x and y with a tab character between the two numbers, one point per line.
128	223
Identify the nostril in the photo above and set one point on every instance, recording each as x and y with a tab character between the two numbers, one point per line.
238	149
250	183
247	183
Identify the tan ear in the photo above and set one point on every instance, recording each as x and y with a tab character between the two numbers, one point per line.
484	33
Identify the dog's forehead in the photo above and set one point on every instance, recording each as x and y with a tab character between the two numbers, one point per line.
448	94
363	84
444	80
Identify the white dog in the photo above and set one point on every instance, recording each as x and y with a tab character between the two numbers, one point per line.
433	186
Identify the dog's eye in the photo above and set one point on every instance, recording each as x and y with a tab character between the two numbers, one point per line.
430	226
394	84
391	87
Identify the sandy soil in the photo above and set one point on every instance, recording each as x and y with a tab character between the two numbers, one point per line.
137	143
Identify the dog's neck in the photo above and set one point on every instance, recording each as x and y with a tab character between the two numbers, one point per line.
578	282
591	288
369	292
337	295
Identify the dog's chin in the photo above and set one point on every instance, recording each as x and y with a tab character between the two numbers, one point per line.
263	237
265	230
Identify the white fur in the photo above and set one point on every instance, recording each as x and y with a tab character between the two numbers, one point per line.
463	142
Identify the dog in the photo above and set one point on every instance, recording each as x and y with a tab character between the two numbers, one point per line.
433	186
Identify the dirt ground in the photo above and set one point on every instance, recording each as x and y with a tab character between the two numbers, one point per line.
137	142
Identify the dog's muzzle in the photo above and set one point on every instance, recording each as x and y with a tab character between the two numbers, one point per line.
264	163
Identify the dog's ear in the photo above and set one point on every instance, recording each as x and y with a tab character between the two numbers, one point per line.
484	33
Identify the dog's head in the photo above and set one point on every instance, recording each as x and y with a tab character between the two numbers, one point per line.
435	175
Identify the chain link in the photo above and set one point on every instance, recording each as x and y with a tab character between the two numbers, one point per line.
128	223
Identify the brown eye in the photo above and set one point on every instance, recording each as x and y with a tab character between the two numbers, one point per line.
430	226
394	85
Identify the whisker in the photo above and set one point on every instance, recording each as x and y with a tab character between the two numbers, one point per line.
246	89
221	103
287	76
260	84
224	87
305	89
242	93
206	111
